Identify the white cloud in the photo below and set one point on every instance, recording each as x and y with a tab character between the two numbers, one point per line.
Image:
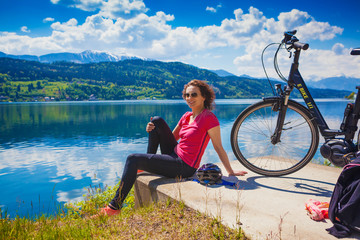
339	49
18	44
25	29
293	19
87	5
48	19
211	9
318	64
117	8
107	8
100	162
154	37
314	63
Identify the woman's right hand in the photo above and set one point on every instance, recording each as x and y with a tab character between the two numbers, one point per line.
150	126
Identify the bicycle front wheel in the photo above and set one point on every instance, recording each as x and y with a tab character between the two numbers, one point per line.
251	138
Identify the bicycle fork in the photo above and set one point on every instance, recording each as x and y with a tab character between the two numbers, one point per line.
281	107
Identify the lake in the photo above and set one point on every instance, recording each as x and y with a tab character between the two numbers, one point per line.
50	153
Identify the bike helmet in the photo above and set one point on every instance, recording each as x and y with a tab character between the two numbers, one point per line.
209	174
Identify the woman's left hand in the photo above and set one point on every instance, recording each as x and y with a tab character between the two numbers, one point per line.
238	173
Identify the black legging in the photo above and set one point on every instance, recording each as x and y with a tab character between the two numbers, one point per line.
167	163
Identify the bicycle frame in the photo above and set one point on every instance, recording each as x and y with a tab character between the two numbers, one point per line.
300	125
295	80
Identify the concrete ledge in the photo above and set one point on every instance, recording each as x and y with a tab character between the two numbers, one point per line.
146	189
264	207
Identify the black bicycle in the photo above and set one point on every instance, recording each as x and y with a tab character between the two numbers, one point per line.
278	136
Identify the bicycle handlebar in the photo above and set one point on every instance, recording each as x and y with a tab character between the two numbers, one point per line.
303	46
290	41
289	38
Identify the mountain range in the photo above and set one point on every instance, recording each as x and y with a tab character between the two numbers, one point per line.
222	73
83	57
337	83
340	83
89	75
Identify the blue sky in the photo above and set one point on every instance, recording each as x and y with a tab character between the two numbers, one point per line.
211	34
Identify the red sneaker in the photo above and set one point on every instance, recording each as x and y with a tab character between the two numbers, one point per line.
106	211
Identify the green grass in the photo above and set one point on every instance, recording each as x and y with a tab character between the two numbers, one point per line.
164	220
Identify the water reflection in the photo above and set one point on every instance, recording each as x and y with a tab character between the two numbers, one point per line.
77	120
51	152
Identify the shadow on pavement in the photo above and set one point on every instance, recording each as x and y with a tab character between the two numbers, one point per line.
293	185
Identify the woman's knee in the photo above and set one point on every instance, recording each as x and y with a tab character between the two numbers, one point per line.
158	121
132	159
135	159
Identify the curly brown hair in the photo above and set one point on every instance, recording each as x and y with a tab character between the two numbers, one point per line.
206	91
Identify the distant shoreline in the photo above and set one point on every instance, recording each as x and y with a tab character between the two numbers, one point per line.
174	101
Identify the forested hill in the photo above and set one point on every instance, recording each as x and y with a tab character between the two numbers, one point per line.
22	80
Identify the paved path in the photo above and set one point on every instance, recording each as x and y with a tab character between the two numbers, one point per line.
265	207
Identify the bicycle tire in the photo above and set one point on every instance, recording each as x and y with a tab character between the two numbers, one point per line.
251	138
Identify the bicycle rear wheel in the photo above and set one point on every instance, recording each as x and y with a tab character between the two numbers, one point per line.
251	138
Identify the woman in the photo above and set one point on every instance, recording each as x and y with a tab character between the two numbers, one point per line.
182	159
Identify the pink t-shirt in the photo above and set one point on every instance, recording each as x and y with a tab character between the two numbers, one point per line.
194	137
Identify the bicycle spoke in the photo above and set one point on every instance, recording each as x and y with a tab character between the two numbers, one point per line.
252	135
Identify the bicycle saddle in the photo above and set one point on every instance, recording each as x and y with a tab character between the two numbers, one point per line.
355	51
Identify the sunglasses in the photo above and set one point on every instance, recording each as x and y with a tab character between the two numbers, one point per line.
193	95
